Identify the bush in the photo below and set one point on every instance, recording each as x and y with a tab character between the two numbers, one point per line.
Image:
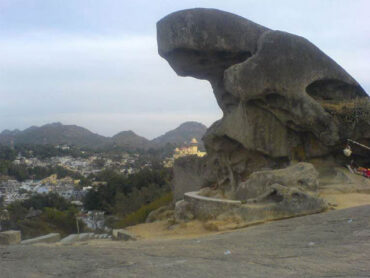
141	214
58	216
63	221
33	227
123	195
50	200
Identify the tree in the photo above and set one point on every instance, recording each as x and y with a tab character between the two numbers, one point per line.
99	163
1	201
50	200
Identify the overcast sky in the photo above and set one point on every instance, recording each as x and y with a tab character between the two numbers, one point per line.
94	63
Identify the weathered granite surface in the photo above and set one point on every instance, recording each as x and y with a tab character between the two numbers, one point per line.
53	237
122	234
283	101
333	244
205	208
301	176
72	238
190	174
281	96
279	202
10	237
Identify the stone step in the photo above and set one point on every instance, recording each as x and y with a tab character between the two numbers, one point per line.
10	237
122	234
82	237
49	238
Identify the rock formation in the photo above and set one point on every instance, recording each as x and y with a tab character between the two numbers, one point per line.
283	99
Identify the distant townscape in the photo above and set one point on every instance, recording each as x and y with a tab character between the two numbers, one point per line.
51	174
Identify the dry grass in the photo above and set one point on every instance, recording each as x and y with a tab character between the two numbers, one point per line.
351	111
347	200
343	106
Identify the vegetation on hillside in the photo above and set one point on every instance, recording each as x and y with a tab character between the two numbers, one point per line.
140	215
127	199
125	194
42	214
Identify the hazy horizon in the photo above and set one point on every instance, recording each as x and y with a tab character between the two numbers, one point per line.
149	138
95	63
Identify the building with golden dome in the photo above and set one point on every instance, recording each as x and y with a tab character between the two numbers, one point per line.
188	149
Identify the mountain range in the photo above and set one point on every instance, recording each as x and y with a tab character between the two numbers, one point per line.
57	133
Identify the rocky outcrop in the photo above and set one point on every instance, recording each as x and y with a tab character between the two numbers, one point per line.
122	234
191	173
183	133
266	195
302	176
283	101
162	213
129	140
279	93
204	208
10	237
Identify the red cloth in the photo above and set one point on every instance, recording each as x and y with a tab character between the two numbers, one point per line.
367	173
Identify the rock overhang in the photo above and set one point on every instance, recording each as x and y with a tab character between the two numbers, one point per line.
273	87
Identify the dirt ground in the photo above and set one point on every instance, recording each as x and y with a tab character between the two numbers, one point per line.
195	229
347	200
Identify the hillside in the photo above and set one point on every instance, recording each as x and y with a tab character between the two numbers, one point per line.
54	133
57	133
184	133
130	140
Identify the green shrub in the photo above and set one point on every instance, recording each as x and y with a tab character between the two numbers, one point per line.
34	227
57	216
50	200
141	214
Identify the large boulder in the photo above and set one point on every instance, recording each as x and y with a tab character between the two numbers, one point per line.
190	174
162	213
283	99
10	237
277	202
122	234
301	175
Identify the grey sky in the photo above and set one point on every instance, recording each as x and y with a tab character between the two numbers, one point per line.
95	63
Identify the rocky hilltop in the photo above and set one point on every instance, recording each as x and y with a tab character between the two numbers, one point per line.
58	133
185	132
283	101
53	133
130	140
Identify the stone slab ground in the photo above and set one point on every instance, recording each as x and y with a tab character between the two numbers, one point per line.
332	244
53	237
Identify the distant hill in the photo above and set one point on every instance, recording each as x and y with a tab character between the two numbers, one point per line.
54	134
130	140
7	135
57	133
184	133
